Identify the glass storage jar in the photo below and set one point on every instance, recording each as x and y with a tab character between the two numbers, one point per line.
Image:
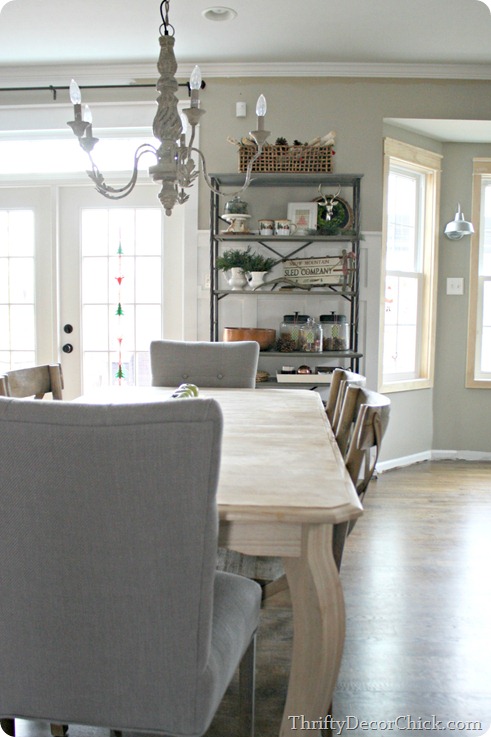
311	337
335	332
290	332
236	206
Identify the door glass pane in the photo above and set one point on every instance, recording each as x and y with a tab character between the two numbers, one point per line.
17	289
121	293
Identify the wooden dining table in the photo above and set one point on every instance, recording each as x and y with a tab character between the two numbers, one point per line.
283	486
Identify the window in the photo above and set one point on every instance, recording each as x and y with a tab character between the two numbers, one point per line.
17	289
407	318
479	333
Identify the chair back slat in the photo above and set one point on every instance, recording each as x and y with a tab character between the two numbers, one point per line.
337	389
369	429
35	381
346	410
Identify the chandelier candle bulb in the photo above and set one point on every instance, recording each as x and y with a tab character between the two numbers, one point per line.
195	86
75	94
78	124
261	108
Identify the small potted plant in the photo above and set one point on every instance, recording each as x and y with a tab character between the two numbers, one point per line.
236	262
257	267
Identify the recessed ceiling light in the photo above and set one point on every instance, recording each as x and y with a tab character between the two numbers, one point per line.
219	13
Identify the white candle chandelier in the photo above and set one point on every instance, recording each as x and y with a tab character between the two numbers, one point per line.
175	166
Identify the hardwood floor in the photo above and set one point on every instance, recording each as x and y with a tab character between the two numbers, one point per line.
417	580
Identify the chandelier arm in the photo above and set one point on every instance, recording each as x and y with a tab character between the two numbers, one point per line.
119	192
248	172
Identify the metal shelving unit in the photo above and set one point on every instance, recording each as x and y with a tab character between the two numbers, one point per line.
296	245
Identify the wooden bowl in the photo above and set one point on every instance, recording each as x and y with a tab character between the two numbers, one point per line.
264	336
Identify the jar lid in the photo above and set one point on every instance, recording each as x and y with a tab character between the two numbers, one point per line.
333	318
295	318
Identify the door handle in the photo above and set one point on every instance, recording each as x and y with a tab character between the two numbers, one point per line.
67	348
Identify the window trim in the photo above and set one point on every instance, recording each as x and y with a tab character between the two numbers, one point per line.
481	171
429	164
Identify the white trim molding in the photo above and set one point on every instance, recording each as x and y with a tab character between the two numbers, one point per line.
434	455
94	74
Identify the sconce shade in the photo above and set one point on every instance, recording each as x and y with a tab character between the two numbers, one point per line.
459	227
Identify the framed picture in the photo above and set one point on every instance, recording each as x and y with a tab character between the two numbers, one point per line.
304	215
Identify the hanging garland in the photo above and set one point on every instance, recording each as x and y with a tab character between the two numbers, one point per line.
119	313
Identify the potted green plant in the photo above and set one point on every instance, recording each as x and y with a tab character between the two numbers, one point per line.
256	262
235	261
257	268
234	258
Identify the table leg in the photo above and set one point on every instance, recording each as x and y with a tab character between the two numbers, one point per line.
318	633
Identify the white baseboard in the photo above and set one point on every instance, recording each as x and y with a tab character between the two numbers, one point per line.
460	455
404	461
434	455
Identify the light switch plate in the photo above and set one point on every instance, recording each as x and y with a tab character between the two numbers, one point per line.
455	285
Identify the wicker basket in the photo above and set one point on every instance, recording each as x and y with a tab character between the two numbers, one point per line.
287	158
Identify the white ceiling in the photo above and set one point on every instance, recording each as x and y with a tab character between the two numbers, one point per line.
46	42
386	32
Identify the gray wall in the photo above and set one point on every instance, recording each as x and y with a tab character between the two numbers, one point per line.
462	417
448	417
355	108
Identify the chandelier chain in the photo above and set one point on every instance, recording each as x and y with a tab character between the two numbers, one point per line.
169	28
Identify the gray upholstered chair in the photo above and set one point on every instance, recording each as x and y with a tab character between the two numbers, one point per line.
231	365
35	381
203	363
122	621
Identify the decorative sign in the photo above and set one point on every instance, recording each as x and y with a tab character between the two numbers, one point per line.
320	271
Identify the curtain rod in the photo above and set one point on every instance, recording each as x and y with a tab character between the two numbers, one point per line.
54	90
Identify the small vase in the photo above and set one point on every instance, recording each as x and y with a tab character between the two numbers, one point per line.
237	279
256	279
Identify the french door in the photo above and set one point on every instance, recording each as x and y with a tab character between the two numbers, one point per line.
27	277
111	283
87	281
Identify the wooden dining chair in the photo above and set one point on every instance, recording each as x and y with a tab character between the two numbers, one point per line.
340	375
35	381
368	413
